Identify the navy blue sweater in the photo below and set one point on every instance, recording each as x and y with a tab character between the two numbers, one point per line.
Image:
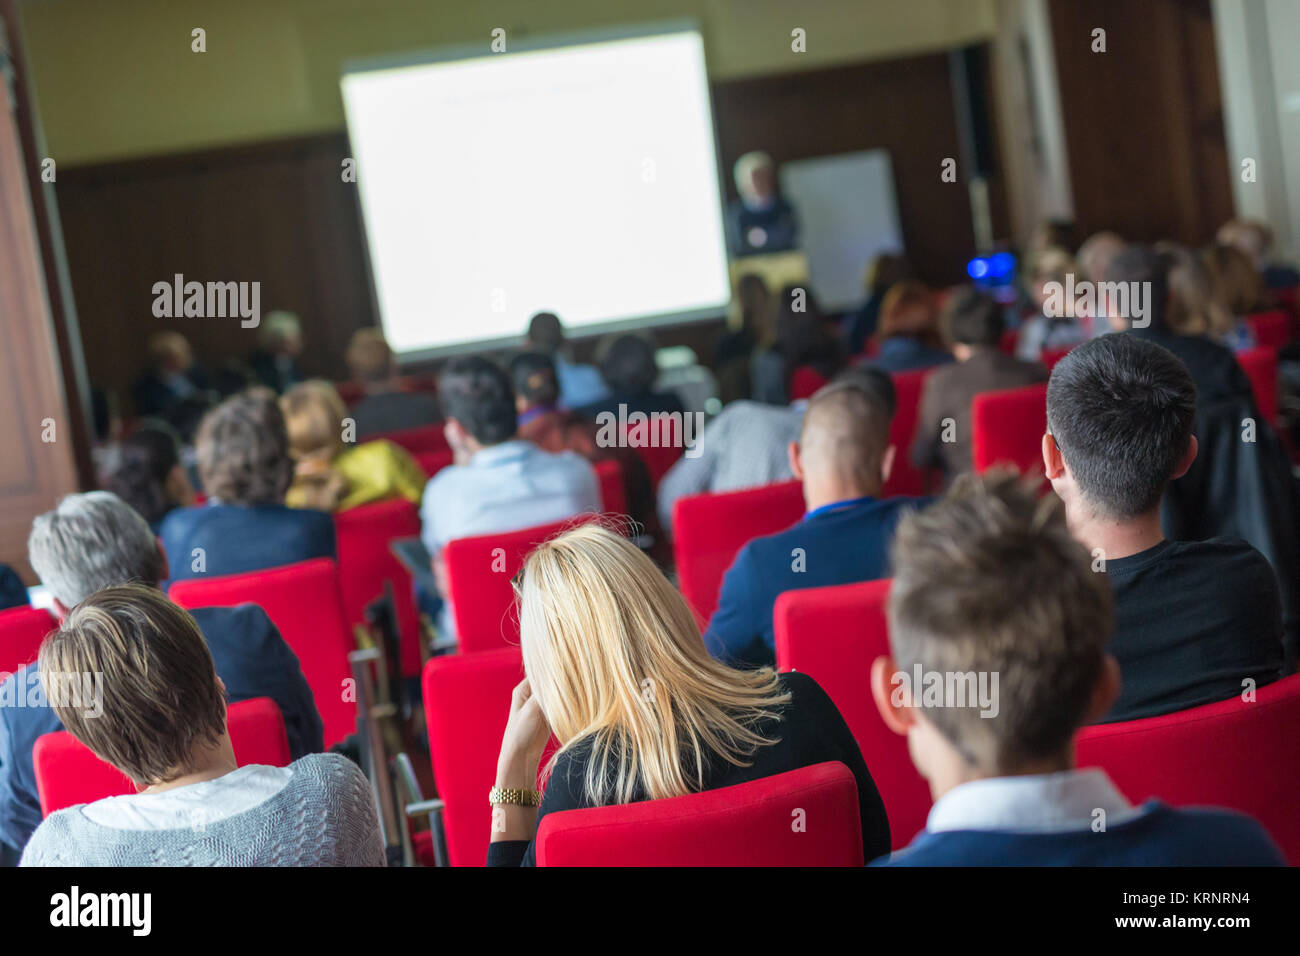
1158	836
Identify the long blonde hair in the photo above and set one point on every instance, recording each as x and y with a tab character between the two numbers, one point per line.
614	656
313	416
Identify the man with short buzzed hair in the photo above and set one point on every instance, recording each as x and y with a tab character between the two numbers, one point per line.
843	457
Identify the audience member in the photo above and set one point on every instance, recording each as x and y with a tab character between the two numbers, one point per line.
886	270
735	348
171	380
148	474
275	362
580	385
162	722
627	366
909	330
385	407
331	473
1095	254
1194	620
1239	291
95	541
973	325
1051	272
245	470
1255	239
616	670
843	458
988	583
12	591
1193	308
760	221
748	444
499	482
800	337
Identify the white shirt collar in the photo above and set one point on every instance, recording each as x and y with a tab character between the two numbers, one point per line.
1040	802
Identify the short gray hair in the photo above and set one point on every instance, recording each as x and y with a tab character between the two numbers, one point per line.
90	542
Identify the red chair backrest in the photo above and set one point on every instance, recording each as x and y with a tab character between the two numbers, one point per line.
434	461
350	392
366	562
749	824
466	705
1007	427
305	603
1051	356
906	478
805	381
417	440
1272	330
1007	344
69	773
1260	366
659	444
22	629
710	529
613	493
1235	754
833	635
479	575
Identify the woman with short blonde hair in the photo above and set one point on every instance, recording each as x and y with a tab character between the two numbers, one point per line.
617	670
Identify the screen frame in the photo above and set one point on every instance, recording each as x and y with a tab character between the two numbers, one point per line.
532	44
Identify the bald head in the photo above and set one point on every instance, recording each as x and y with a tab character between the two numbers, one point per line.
844	444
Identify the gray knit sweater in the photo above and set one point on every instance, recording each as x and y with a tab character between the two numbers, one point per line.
324	816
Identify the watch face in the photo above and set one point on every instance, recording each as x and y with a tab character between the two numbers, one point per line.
757	237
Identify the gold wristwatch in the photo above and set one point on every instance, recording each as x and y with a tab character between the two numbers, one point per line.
509	796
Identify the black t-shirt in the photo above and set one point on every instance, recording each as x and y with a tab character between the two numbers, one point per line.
1193	619
810	731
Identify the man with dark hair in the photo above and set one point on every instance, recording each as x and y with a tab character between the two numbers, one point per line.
628	368
996	607
579	384
973	325
1195	621
843	458
498	482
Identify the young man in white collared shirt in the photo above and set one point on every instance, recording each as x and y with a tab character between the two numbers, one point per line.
989	583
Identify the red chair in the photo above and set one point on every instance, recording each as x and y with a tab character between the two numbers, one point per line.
1272	330
1232	754
305	602
613	493
710	529
1007	344
906	478
659	445
350	392
833	635
22	629
1051	356
746	825
1007	427
434	461
366	563
1260	366
426	438
805	382
69	773
479	572
466	705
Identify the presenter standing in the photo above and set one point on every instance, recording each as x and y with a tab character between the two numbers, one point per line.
761	221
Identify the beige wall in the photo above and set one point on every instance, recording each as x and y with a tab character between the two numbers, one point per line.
118	79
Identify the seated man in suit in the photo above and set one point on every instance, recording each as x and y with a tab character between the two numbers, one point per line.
843	458
171	380
1194	620
385	407
760	221
990	587
498	482
275	362
973	326
246	471
94	541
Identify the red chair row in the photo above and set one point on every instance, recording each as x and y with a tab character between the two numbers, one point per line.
1237	754
1272	330
22	629
1260	366
305	602
68	772
1007	428
748	824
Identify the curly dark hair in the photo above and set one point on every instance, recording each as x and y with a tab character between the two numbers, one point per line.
243	451
148	457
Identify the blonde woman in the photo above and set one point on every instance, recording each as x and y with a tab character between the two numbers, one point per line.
617	670
329	474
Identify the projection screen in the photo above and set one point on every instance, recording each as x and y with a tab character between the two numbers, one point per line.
579	178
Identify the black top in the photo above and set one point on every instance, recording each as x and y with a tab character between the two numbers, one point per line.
1193	619
1213	367
810	731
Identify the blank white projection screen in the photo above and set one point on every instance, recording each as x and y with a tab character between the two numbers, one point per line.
580	180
